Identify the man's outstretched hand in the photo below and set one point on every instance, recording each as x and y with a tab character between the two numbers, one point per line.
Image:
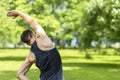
13	13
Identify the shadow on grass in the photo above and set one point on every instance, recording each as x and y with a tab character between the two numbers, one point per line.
91	71
112	60
71	57
72	64
86	64
12	58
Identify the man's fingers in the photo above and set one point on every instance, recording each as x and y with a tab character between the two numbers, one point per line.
12	14
9	14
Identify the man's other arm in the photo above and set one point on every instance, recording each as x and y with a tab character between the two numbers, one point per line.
21	75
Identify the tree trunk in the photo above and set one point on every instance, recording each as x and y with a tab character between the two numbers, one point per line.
87	55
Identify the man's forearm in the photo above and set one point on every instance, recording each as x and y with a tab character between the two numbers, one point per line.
23	70
34	25
28	19
21	74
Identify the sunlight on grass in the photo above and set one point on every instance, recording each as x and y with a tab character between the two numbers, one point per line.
113	70
12	65
71	68
75	66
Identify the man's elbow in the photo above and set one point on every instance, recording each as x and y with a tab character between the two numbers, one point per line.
19	76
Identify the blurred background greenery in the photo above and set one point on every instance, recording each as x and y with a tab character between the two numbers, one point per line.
70	23
80	25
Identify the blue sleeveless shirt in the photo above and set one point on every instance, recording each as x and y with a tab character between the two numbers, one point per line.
48	62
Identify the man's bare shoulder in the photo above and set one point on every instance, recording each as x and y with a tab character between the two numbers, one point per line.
45	43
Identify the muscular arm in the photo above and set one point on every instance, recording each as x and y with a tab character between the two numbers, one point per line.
34	25
43	40
21	75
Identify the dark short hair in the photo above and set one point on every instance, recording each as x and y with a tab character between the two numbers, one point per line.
26	36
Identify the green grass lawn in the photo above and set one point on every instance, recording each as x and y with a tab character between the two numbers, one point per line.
75	66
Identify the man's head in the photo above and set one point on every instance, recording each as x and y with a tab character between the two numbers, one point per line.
28	37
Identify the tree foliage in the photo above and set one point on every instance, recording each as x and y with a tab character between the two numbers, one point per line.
87	20
100	20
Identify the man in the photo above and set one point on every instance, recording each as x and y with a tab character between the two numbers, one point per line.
43	51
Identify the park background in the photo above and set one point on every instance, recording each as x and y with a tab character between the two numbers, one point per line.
86	33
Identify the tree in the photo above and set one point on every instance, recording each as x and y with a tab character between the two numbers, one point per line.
100	20
8	27
55	16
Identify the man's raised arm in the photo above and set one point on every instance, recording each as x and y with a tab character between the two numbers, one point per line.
34	25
